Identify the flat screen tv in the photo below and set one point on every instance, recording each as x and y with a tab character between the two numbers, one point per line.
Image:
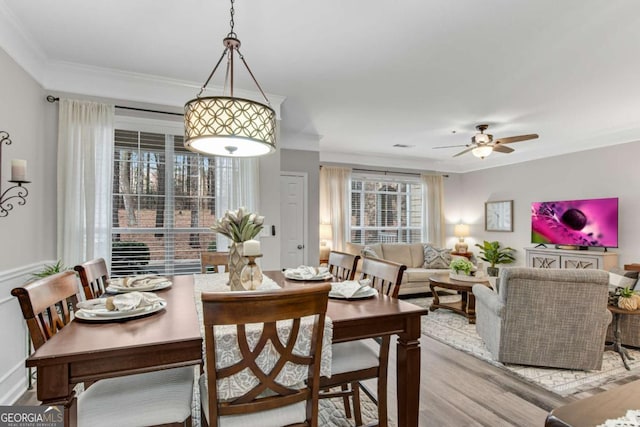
589	222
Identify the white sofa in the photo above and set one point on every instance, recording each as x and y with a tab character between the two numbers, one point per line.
416	277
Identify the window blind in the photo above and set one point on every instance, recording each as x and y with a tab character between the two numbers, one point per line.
163	205
385	210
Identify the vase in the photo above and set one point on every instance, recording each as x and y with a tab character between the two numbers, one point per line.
236	264
493	271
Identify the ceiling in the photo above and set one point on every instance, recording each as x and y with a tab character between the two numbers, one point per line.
356	77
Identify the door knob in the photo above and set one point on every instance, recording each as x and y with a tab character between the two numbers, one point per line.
300	246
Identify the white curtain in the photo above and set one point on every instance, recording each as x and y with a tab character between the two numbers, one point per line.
432	214
334	203
237	186
85	177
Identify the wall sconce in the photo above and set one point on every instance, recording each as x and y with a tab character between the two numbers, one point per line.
461	231
18	177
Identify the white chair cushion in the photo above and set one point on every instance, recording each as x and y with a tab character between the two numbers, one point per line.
354	355
159	397
292	414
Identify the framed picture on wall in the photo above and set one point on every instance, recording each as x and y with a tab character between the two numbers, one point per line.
498	216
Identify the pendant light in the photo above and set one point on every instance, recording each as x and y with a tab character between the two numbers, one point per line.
226	125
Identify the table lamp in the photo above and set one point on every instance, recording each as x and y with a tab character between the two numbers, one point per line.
325	237
461	231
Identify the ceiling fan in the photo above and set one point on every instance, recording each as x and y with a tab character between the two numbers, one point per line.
482	144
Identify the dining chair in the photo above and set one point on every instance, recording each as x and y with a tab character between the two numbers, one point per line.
343	265
264	402
215	260
153	398
93	277
355	361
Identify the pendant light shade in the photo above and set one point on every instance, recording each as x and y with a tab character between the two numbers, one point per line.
225	126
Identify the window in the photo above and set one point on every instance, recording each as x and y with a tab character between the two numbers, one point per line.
163	204
385	209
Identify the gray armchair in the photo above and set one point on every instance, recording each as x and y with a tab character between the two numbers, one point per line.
545	317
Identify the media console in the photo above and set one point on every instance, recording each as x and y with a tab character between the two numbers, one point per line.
560	258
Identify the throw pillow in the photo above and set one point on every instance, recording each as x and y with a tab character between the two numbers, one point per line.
436	257
368	252
622	278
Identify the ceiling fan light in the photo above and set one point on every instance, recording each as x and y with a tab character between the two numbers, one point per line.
482	138
482	151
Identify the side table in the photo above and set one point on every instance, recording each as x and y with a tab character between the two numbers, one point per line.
467	255
617	342
466	306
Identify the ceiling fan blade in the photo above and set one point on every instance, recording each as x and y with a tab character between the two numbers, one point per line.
518	138
502	149
464	151
450	146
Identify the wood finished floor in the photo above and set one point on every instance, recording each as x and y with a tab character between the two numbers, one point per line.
459	390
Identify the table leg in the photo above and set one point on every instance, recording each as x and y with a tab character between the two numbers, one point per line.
408	373
51	381
436	299
471	307
617	342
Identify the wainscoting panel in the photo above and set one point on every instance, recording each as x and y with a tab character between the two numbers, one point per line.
13	334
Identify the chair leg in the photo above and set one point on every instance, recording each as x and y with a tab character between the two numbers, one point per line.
357	412
382	401
346	402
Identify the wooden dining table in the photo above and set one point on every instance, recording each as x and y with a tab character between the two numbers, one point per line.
87	351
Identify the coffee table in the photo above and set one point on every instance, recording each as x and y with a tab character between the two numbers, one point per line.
466	306
617	342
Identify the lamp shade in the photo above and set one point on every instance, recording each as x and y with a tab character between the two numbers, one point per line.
461	230
325	232
231	127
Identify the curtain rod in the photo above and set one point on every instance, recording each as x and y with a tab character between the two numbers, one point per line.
53	99
391	173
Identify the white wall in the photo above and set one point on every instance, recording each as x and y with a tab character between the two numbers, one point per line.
28	233
604	172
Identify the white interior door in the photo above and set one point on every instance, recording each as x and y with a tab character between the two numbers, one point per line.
293	212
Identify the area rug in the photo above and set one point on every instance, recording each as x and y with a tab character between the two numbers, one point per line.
455	331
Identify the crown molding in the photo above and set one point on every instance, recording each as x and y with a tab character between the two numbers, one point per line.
19	45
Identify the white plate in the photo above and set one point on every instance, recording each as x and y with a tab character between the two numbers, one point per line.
370	293
326	277
154	287
100	314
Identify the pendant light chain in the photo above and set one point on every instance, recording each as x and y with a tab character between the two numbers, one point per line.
232	23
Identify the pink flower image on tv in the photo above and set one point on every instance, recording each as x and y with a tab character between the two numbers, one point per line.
591	222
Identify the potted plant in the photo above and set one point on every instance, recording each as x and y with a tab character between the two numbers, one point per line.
628	299
492	253
50	269
461	266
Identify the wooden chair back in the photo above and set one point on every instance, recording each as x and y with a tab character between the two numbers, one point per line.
214	260
242	308
343	265
47	304
385	276
93	276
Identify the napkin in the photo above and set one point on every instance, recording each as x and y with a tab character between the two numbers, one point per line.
352	288
121	302
306	272
138	281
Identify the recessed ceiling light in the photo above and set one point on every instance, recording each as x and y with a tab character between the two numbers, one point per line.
403	145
